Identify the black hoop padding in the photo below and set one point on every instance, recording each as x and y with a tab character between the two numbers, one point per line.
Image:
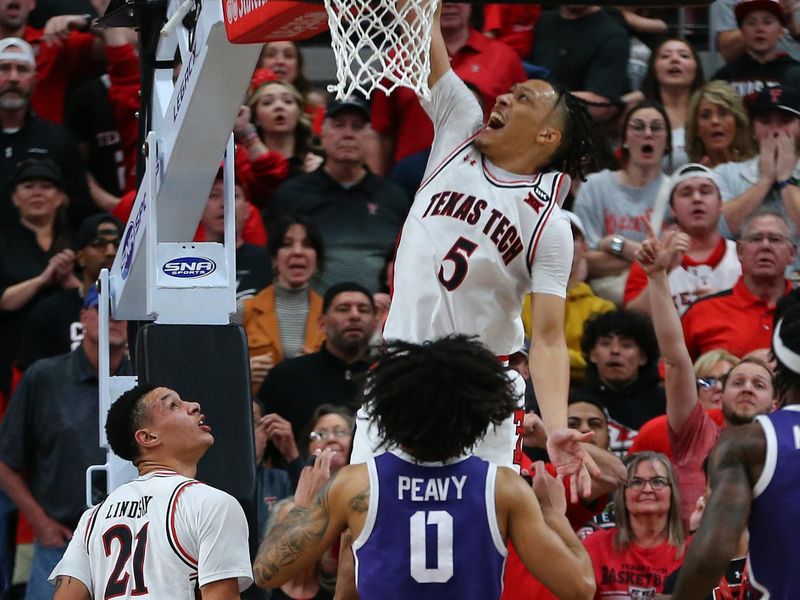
209	364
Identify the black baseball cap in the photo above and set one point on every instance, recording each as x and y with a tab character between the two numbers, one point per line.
90	229
353	102
777	97
37	168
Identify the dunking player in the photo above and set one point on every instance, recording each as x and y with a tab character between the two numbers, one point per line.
485	229
164	534
429	522
754	477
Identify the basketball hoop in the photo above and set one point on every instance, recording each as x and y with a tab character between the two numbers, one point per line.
380	44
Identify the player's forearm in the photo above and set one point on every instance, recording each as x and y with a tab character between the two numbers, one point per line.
549	367
15	486
224	589
440	60
581	563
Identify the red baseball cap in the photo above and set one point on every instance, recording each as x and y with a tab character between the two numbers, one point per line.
745	7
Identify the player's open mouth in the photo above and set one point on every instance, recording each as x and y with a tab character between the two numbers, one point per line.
496	121
202	425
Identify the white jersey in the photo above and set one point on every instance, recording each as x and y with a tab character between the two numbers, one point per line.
477	238
722	274
159	536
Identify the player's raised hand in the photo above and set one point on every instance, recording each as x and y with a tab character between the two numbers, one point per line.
313	477
572	461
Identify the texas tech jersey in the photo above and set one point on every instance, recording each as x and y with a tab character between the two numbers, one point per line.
159	536
477	238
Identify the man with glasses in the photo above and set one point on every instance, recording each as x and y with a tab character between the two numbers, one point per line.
53	326
703	261
739	320
48	439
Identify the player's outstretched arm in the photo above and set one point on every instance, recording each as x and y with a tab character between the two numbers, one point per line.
542	535
735	466
549	367
69	588
440	61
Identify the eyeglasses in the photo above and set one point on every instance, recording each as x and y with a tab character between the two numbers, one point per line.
657	483
772	240
708	382
320	435
639	126
103	242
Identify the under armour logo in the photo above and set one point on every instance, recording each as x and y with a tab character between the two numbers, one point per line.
535	203
469	160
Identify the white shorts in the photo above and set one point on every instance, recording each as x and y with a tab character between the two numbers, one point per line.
502	444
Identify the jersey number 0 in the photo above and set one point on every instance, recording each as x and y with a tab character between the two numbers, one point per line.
418	529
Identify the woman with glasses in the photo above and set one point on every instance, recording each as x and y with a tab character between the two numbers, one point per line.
633	558
331	427
613	204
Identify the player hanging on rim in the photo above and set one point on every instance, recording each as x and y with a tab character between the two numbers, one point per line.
163	534
485	229
429	522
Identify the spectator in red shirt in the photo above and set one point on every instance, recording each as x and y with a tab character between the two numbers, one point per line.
709	369
748	388
512	24
739	320
65	53
633	558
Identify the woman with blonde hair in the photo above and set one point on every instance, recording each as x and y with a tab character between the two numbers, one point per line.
633	558
717	126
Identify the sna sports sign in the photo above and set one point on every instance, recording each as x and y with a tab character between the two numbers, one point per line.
189	267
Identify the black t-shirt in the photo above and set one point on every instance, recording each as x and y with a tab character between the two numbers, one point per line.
53	327
589	53
90	118
21	259
253	271
733	576
748	76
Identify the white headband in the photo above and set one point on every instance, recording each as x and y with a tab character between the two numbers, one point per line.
788	357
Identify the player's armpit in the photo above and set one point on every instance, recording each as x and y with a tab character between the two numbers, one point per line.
300	537
224	589
69	588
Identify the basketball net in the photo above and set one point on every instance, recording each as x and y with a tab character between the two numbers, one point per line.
380	45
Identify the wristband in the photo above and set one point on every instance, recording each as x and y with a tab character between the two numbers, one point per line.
249	139
779	185
244	134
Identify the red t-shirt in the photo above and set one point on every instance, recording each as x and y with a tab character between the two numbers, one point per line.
56	68
489	66
734	320
634	572
691	444
654	435
518	583
513	25
123	95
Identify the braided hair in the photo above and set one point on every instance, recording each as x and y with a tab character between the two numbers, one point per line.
786	377
436	400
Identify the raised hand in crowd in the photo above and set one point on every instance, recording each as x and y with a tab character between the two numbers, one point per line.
279	432
259	367
58	28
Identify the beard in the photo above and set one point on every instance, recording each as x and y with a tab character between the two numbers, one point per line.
13	101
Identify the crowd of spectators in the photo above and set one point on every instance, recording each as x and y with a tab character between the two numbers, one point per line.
708	164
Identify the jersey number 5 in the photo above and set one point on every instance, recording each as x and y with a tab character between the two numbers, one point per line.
418	529
118	582
458	255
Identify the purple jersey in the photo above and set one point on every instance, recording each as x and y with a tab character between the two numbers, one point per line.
774	551
431	531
